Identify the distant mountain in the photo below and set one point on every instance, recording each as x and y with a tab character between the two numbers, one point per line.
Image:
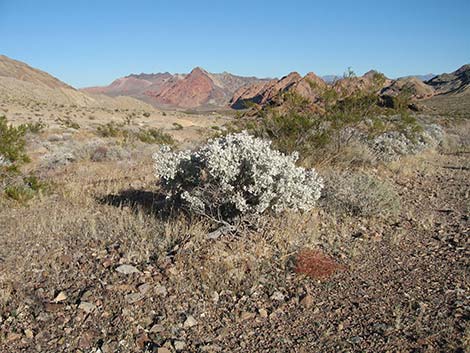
198	89
21	82
456	82
331	78
423	78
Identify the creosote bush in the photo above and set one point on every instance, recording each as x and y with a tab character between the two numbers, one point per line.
13	183
236	175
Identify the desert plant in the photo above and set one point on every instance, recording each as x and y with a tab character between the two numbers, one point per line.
236	175
12	144
177	126
359	194
67	122
154	136
320	131
36	127
111	129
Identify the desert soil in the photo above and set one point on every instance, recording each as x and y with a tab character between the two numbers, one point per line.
404	289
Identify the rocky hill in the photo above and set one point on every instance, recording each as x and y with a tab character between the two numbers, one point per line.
308	86
456	82
20	82
413	86
198	89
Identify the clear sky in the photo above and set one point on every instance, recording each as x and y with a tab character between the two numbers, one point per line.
84	42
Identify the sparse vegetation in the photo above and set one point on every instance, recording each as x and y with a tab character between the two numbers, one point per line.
14	184
320	133
154	136
236	175
67	122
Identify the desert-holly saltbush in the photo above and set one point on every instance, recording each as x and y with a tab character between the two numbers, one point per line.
237	175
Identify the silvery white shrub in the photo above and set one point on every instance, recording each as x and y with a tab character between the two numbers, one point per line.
394	144
237	175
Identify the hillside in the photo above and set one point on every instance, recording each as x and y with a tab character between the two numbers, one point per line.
198	89
24	84
452	83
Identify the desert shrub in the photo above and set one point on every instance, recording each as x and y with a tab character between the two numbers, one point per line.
177	126
13	183
236	175
321	130
12	144
154	136
67	122
36	127
146	114
359	194
23	189
112	129
391	145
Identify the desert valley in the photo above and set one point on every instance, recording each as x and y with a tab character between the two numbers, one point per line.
354	237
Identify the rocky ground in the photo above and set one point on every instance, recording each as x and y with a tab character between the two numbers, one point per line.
94	266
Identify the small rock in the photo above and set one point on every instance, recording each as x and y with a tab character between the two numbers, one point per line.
28	333
190	322
60	297
307	301
263	313
179	345
215	297
143	288
134	297
161	290
246	315
127	269
13	336
87	307
277	296
157	328
163	350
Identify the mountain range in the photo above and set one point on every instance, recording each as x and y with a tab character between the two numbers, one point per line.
203	90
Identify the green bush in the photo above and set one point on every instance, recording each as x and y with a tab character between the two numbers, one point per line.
155	136
67	122
112	129
36	127
177	126
13	184
25	188
12	143
321	131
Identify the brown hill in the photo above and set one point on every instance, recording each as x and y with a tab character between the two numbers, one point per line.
198	89
21	82
413	86
452	83
268	92
193	91
133	85
20	71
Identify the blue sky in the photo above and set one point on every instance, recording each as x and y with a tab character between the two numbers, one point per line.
87	43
